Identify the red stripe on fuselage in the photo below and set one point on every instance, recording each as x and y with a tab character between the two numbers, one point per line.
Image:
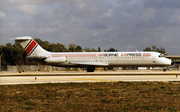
146	54
76	55
30	47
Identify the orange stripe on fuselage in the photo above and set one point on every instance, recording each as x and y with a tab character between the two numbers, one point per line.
30	47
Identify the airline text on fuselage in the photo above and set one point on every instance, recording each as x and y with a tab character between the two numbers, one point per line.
111	54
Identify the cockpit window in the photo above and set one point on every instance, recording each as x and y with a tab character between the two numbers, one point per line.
161	55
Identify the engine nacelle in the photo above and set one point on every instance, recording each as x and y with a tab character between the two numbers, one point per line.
56	60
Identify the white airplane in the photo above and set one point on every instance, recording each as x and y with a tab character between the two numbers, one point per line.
92	59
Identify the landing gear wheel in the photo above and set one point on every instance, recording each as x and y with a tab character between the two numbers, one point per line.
90	69
164	69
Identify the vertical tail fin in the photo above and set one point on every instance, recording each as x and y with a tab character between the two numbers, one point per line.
31	47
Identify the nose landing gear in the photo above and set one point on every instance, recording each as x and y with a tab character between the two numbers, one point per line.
164	69
172	62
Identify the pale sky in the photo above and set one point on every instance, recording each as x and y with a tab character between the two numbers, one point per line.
121	24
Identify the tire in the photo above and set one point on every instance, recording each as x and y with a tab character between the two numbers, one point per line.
90	69
164	70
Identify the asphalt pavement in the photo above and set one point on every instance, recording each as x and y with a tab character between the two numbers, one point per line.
74	77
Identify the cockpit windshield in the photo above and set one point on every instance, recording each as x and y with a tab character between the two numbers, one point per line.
161	55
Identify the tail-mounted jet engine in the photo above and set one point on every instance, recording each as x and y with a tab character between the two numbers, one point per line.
56	60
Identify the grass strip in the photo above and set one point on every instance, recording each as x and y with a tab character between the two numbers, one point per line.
103	96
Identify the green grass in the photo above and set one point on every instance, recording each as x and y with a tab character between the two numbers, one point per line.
112	96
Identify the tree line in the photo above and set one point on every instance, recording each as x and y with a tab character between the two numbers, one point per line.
156	49
14	54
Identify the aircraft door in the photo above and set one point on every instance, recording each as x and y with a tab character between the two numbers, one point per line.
99	58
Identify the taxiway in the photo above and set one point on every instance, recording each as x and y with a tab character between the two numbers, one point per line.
36	78
84	73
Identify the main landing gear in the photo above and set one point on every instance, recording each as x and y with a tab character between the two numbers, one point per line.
90	69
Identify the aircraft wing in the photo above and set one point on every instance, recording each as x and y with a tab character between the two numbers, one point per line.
90	63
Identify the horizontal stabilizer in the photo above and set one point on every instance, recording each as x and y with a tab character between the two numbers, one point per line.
23	38
90	63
